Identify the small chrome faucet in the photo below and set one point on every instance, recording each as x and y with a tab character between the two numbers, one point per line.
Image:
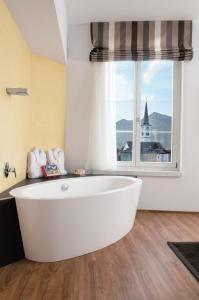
8	170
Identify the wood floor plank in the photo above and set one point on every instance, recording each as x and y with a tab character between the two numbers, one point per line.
138	267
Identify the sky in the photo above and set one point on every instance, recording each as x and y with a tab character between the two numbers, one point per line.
156	86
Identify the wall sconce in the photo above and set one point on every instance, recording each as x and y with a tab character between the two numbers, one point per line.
17	91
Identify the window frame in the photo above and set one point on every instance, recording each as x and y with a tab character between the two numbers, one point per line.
135	163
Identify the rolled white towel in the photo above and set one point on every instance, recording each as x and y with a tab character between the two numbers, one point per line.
56	156
36	159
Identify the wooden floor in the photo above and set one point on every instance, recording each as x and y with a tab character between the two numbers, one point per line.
140	266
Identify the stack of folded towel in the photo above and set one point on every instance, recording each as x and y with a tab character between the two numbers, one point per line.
56	156
37	158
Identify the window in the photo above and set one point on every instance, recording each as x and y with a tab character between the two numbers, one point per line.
148	113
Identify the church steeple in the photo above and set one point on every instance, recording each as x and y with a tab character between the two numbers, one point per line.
146	116
146	133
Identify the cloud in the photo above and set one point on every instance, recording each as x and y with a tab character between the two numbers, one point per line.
153	69
149	98
124	88
121	78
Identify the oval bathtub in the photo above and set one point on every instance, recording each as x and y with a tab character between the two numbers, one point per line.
65	218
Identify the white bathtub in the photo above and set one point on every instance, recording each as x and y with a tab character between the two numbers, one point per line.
66	218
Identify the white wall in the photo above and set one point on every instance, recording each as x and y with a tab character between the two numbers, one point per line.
60	7
158	193
79	96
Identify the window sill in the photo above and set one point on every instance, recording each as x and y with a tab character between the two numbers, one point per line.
140	172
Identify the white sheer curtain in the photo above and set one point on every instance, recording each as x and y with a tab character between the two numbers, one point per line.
102	139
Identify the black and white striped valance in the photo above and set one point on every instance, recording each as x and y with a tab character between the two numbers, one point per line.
142	40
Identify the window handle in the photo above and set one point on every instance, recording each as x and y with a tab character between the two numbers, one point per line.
137	120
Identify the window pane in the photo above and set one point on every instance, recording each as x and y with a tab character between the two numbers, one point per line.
124	146
156	111
125	84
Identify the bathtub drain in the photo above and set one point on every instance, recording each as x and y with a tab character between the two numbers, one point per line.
64	187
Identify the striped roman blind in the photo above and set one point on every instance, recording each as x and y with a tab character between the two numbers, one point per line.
141	40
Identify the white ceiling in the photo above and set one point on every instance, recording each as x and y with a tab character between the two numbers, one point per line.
38	22
83	11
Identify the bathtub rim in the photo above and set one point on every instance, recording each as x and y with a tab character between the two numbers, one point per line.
16	193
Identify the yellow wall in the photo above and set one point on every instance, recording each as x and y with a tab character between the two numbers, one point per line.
48	104
25	122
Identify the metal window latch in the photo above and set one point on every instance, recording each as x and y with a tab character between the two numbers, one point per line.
8	170
138	120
